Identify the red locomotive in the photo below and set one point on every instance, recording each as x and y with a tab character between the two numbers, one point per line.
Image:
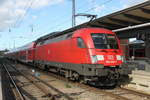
89	54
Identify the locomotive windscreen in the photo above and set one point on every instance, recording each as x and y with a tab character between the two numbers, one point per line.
104	41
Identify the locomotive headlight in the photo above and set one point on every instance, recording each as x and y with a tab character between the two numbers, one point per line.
100	57
119	57
123	59
94	59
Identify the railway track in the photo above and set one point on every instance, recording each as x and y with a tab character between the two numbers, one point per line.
114	94
146	96
119	93
18	94
43	86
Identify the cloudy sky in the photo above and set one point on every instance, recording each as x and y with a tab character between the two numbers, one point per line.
23	21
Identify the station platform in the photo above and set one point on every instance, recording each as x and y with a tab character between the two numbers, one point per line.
139	64
140	81
143	63
140	75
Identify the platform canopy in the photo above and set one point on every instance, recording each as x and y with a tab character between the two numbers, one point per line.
135	15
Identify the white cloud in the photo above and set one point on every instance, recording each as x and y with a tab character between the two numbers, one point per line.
34	17
11	10
19	12
9	21
41	3
99	8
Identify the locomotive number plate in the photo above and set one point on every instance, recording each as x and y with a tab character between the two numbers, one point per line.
110	57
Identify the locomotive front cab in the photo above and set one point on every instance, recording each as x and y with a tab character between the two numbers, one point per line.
106	50
107	56
103	63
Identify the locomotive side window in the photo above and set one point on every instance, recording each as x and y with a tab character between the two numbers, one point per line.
80	43
104	41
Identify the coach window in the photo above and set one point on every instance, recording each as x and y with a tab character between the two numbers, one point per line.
81	43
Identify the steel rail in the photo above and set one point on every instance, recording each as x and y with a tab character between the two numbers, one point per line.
118	97
136	92
32	80
13	82
42	81
111	94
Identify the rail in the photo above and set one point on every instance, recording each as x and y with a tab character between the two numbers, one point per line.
136	92
33	79
21	97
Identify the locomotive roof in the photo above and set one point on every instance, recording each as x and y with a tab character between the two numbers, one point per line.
47	36
55	34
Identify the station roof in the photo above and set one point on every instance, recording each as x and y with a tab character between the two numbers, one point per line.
135	15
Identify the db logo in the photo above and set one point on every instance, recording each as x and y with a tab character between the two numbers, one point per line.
110	57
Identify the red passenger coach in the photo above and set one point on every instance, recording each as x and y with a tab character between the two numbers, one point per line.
91	54
23	54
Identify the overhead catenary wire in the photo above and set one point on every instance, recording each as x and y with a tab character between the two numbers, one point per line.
65	14
27	9
19	17
108	1
66	21
60	24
